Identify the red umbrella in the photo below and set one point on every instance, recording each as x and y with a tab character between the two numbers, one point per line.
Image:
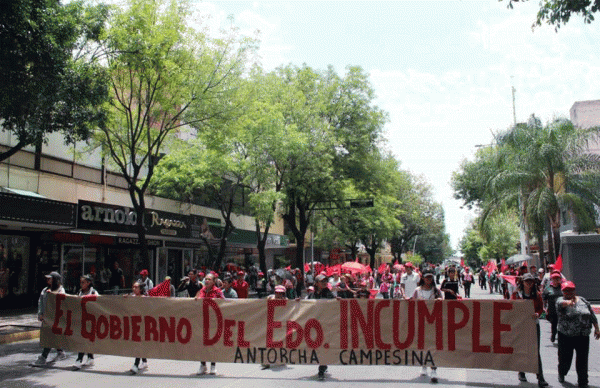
354	267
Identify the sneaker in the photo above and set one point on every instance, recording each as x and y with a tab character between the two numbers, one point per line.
41	360
542	383
134	370
321	375
89	362
561	378
213	369
60	355
77	365
433	376
265	366
144	365
423	371
202	370
522	376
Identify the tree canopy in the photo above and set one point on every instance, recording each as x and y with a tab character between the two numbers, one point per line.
559	12
52	80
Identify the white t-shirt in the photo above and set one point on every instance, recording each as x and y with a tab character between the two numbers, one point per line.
424	294
410	283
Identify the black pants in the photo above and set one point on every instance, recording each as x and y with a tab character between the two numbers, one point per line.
137	361
467	289
553	318
566	346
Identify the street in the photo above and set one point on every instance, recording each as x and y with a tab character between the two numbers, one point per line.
112	371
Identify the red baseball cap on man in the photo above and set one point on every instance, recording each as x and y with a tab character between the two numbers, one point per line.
408	265
567	286
144	272
555	274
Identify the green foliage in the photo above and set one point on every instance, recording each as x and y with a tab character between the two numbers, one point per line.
557	12
414	258
51	79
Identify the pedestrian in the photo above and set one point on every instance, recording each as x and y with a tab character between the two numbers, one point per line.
321	292
86	290
117	279
409	281
528	290
575	321
550	295
190	283
228	291
450	284
209	291
428	291
344	290
54	286
148	285
138	290
467	281
241	286
279	294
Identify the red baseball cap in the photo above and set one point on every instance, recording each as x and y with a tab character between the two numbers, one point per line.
568	286
555	274
408	265
144	272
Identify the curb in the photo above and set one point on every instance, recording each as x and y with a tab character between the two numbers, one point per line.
19	336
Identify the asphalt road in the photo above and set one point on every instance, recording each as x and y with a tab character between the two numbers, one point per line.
112	371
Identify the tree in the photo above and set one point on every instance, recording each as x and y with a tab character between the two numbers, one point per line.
164	77
51	79
536	171
557	12
330	125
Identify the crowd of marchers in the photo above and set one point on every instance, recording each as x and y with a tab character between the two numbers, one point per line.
553	296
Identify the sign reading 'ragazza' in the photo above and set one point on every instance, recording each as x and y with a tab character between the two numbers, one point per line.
473	334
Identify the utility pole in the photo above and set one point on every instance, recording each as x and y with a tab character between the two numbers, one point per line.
514	91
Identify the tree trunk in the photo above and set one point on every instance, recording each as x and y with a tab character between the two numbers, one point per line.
260	244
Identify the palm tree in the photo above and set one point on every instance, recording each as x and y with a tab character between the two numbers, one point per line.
550	170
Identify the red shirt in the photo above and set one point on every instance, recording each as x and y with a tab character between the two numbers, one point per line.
241	287
214	293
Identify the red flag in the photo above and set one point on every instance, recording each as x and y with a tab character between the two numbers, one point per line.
511	279
503	266
462	262
306	267
558	264
163	289
396	262
491	266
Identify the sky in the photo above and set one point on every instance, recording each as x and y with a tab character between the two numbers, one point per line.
443	70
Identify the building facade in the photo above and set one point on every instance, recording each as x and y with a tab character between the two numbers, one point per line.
62	209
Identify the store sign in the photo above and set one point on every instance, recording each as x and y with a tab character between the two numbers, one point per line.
485	334
106	217
21	208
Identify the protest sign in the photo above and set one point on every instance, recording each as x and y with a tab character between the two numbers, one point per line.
489	334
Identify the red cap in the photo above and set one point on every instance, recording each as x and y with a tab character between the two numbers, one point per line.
555	274
408	265
261	274
241	273
568	286
144	272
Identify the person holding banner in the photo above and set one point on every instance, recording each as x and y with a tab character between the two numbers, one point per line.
575	321
428	291
209	291
280	293
86	290
139	290
321	292
53	279
528	290
190	283
550	295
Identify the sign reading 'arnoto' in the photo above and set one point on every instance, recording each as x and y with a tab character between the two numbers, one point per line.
466	334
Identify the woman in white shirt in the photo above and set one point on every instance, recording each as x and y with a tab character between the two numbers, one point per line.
428	291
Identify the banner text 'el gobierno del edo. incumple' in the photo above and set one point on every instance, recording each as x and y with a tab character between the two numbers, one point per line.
488	334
